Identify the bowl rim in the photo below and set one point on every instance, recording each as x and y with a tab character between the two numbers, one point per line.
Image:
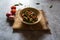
20	18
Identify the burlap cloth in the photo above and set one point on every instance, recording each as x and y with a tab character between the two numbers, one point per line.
42	25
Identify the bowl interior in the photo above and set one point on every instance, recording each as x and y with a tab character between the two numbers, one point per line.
34	10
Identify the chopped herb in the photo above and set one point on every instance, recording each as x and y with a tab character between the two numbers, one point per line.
37	3
20	4
16	5
51	6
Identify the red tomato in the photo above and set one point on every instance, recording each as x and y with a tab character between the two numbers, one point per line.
11	17
8	14
13	7
29	12
33	17
13	11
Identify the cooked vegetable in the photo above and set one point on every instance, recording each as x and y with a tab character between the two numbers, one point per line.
29	16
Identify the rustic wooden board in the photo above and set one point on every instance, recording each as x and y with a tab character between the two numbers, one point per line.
42	25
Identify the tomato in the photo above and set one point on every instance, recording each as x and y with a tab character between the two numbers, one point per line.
29	12
13	11
11	17
33	17
13	7
8	14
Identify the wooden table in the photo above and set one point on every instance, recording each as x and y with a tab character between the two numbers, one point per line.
42	25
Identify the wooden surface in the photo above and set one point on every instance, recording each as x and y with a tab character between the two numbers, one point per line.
42	25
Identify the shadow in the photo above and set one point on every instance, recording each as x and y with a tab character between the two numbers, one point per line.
31	27
33	35
32	32
35	27
10	21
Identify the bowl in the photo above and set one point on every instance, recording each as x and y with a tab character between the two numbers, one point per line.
32	9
